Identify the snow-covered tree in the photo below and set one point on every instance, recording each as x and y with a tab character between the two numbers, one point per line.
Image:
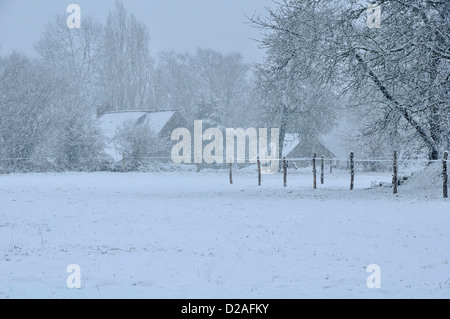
40	118
295	106
224	85
73	57
205	85
138	142
74	53
399	73
26	100
175	84
79	146
293	93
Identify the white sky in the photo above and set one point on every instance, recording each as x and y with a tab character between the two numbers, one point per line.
180	25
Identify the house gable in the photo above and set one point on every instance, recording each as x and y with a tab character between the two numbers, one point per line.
161	123
296	148
175	121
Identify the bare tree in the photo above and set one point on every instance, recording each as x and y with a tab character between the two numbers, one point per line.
126	68
207	85
74	52
224	83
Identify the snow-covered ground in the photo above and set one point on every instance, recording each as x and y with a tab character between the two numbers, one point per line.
192	235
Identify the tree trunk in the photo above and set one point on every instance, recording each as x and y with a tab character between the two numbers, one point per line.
281	143
283	128
434	153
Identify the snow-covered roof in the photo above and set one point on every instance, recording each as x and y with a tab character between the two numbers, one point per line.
291	141
157	120
111	122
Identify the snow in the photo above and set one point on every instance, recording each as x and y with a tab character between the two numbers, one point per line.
110	122
157	120
427	181
192	235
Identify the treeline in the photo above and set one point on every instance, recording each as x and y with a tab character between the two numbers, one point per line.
323	66
48	104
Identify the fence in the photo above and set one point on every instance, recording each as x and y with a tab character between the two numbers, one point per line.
130	163
351	164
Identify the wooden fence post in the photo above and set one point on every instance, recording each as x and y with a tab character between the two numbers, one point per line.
352	171
445	174
322	171
395	178
285	171
314	171
331	165
259	172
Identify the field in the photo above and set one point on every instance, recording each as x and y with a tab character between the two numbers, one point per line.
192	235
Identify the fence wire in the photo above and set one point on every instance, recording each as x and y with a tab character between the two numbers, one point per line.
243	160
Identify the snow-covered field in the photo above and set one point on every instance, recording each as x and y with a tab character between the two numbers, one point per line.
192	235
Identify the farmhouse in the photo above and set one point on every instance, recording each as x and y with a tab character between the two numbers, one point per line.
294	148
162	123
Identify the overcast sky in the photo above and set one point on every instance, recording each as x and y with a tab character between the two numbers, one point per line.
180	25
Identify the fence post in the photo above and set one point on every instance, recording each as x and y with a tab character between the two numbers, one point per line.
314	171
259	172
395	178
445	174
231	173
331	165
285	171
352	170
124	165
322	171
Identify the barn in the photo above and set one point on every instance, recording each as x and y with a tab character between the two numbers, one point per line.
296	149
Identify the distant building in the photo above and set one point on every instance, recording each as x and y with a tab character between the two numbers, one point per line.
297	151
162	123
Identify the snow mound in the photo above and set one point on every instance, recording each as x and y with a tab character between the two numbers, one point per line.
429	178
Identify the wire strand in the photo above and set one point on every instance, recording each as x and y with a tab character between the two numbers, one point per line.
238	160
